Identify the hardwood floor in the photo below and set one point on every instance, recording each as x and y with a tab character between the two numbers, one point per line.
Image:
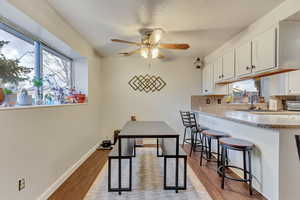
210	179
79	183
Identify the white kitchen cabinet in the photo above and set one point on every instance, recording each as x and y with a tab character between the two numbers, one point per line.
294	82
243	59
228	65
264	50
207	79
218	70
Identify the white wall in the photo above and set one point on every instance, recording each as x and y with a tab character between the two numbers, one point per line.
42	144
121	101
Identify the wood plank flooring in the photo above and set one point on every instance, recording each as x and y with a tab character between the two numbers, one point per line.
210	179
76	186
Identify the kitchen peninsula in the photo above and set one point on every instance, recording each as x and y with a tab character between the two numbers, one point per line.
276	165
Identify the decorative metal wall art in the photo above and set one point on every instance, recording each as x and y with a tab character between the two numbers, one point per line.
147	83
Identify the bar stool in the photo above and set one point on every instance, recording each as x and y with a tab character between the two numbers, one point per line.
236	145
208	136
186	121
196	130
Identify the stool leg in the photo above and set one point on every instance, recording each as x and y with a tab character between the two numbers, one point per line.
250	173
226	157
202	150
206	146
245	164
209	146
184	136
218	161
223	167
192	143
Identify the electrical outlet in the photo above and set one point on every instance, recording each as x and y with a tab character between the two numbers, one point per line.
21	184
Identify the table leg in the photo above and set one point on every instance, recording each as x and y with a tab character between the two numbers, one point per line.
177	163
120	167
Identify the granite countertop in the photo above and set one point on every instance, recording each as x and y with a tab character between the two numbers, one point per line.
268	120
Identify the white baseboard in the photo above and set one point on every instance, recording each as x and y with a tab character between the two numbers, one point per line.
66	175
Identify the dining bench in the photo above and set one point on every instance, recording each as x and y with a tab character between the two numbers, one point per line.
168	147
127	153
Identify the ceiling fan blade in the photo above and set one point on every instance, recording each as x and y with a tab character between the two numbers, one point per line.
174	46
125	42
156	35
131	53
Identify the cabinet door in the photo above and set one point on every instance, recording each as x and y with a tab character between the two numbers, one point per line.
218	70
264	51
228	65
243	59
207	79
293	82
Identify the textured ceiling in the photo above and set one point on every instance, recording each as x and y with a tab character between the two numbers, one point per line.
204	24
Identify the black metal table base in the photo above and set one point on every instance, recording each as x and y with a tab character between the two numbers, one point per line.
120	158
176	187
119	189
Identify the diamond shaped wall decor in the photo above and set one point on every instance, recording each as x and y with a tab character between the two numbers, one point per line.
147	83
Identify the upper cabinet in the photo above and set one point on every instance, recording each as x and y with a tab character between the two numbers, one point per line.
293	83
207	79
272	51
228	65
218	69
224	67
264	50
244	59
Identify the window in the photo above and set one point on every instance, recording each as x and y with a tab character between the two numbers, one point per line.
24	61
244	89
20	54
57	74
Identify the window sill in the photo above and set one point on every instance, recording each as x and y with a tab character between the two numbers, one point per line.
40	106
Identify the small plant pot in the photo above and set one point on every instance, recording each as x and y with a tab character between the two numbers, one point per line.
10	100
1	96
24	100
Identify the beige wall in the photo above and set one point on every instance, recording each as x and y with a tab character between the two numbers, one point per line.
121	101
41	144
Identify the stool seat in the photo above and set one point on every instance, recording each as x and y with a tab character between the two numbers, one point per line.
215	134
236	143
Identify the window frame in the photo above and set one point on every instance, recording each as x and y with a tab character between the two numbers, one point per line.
60	55
38	48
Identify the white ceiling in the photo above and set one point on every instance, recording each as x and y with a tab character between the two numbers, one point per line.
204	24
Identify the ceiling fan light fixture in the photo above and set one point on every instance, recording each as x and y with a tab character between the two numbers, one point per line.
157	35
154	52
145	52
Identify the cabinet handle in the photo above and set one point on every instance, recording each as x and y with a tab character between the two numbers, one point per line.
253	66
206	90
248	68
222	75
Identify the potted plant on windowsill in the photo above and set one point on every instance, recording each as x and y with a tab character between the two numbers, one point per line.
10	71
38	84
10	98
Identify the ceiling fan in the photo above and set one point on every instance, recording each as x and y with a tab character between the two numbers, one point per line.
150	44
